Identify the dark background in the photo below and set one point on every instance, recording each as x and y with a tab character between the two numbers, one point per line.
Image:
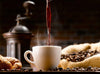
73	21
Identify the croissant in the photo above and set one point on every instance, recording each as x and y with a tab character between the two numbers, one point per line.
9	63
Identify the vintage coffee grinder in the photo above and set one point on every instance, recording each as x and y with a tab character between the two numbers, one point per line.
19	37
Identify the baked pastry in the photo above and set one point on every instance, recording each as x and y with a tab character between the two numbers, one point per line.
81	55
16	64
4	64
9	63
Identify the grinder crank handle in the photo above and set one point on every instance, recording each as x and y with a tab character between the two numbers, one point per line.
28	5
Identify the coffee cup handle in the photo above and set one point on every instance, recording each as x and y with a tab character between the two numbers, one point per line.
26	58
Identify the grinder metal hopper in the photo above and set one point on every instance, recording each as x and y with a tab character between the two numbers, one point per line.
18	40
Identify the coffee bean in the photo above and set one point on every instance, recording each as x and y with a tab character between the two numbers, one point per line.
60	69
80	52
89	68
73	69
83	69
68	69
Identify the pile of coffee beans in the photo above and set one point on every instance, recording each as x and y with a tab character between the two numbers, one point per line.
16	70
80	56
77	69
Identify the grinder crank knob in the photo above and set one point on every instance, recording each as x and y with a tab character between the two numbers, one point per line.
28	5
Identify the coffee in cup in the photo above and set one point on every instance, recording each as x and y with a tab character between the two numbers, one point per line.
45	57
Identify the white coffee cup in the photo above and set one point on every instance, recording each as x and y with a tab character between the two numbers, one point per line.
45	57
